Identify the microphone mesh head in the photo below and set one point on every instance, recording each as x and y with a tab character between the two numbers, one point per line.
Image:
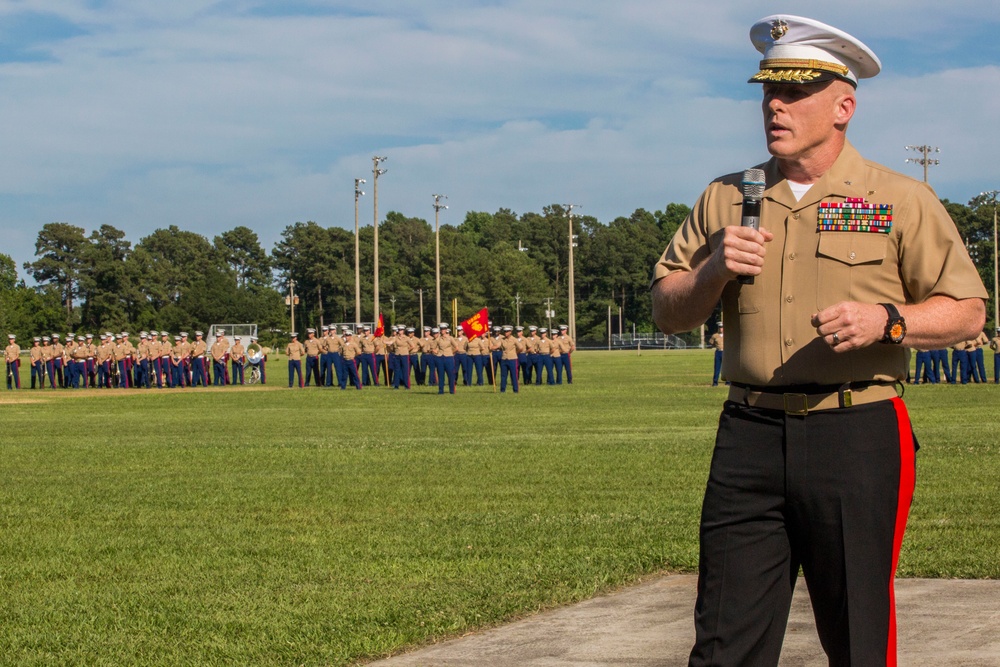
753	184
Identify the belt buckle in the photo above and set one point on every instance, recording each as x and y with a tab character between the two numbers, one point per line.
796	404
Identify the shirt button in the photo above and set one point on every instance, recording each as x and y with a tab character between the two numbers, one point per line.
791	256
788	342
795	215
789	298
852	255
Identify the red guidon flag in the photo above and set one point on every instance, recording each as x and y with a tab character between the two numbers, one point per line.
380	327
477	325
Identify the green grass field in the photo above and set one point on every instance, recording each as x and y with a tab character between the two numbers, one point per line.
320	527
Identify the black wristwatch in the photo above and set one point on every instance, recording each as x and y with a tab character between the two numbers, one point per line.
895	328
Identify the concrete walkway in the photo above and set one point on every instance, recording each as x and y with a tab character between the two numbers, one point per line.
941	623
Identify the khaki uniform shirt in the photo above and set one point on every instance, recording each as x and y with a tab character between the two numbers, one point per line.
197	349
103	352
809	268
57	350
81	351
544	346
995	344
508	347
446	346
295	350
351	350
367	344
982	340
312	347
165	348
380	344
12	353
237	351
47	353
36	354
522	344
716	342
461	344
335	344
219	349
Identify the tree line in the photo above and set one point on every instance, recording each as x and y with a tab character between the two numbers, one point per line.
515	265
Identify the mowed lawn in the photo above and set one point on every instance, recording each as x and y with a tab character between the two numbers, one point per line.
323	527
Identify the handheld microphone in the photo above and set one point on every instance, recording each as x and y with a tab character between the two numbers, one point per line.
753	192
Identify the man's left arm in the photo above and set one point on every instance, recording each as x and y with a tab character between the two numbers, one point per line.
937	322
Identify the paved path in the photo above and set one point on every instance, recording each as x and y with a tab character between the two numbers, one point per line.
941	623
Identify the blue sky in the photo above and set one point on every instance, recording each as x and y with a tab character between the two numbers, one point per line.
208	115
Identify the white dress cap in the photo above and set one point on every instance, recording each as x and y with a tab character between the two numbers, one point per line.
802	50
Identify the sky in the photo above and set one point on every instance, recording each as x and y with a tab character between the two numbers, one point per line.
212	114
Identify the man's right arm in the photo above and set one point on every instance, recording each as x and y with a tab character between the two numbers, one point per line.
684	300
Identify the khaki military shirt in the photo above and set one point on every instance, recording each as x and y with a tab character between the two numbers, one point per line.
12	352
57	350
995	344
312	347
219	349
461	344
81	351
544	346
367	344
716	342
295	350
380	345
508	347
237	352
165	348
197	349
47	353
335	344
351	349
103	352
446	346
810	267
36	354
982	340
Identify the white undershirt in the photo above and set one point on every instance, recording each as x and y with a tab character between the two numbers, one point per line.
798	189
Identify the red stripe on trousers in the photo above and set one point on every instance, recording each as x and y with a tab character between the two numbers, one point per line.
907	481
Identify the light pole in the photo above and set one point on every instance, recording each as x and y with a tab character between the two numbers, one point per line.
572	288
925	161
357	254
291	300
991	196
437	252
376	160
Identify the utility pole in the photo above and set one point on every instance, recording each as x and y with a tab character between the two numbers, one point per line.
925	161
572	289
376	160
319	298
437	254
517	309
420	294
357	254
291	300
991	196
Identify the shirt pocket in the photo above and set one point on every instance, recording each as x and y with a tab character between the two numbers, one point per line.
846	263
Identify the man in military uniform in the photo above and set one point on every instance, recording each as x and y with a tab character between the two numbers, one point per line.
69	360
366	360
508	359
194	359
166	350
444	351
103	359
718	343
532	356
238	358
58	378
543	357
350	355
814	456
982	340
568	346
37	364
463	362
312	358
12	355
294	351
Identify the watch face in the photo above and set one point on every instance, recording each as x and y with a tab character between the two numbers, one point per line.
897	330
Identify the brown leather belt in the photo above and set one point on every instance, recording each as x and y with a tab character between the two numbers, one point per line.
794	403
